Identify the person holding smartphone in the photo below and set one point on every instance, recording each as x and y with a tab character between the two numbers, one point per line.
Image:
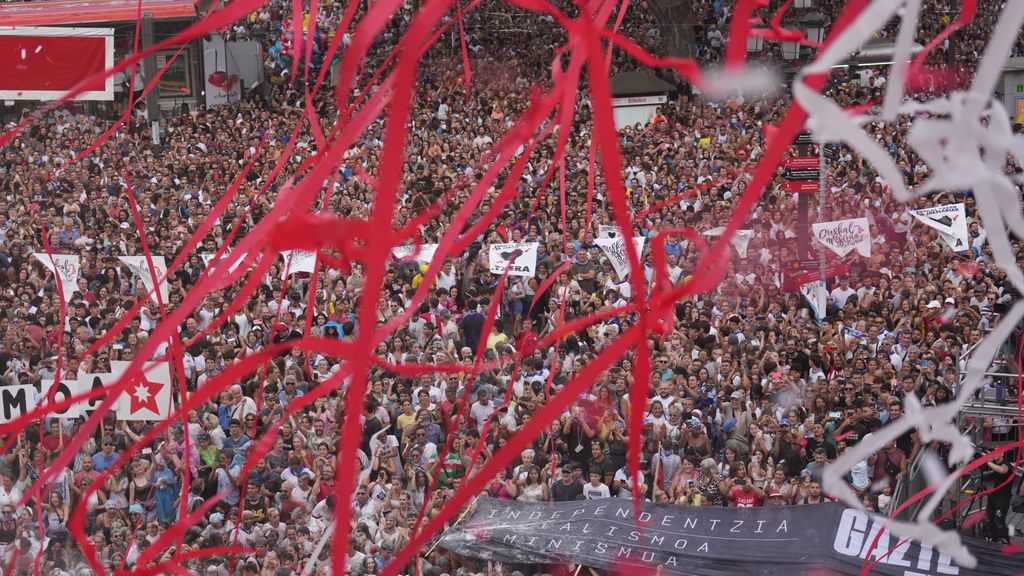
998	505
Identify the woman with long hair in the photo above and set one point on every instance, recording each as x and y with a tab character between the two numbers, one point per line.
533	489
140	488
418	481
55	515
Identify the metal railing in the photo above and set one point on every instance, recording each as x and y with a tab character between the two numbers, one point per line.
911	483
989	402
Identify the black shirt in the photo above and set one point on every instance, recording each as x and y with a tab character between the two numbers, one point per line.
472	326
562	493
1002	492
608	468
830	449
856	432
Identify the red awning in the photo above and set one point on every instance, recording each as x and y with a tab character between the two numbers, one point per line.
68	12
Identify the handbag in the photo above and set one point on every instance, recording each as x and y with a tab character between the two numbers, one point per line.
890	467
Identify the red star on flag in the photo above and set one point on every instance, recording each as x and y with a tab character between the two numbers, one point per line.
143	395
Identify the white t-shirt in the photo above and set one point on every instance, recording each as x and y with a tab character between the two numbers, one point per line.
623	476
480	414
592	492
840	296
14	496
245	407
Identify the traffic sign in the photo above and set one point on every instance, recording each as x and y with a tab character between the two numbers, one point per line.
803	174
801	162
799	187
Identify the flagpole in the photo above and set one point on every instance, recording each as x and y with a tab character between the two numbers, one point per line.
445	531
821	218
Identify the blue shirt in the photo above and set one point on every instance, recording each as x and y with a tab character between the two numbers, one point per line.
223	416
283	400
100	462
242	441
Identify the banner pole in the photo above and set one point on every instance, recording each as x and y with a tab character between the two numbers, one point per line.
461	516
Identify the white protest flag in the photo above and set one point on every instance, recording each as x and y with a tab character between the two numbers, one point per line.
53	395
615	250
297	261
816	296
235	259
424	256
520	258
140	268
148	397
740	240
604	231
16	401
844	236
67	266
951	222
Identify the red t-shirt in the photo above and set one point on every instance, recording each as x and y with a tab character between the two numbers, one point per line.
82	475
745	499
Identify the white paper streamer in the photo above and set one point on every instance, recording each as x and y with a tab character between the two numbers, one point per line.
950	141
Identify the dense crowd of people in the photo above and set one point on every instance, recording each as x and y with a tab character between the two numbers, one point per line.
752	396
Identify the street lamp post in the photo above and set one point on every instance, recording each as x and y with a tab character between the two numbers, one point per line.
813	25
755	44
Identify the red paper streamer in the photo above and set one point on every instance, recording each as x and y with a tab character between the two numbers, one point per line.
290	226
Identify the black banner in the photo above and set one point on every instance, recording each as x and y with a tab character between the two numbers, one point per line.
710	541
803	174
